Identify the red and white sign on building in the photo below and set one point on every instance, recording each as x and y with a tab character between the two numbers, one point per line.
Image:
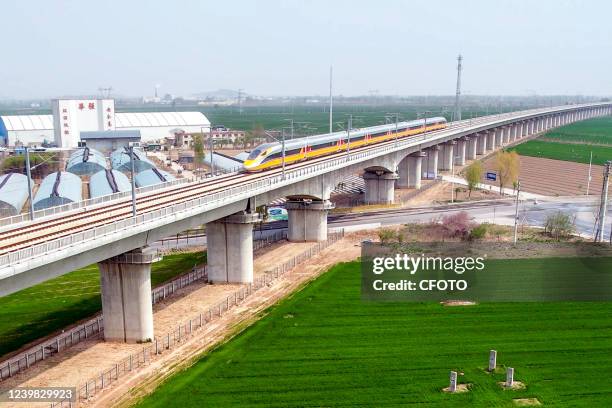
72	116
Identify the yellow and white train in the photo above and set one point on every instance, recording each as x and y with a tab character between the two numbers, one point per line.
269	155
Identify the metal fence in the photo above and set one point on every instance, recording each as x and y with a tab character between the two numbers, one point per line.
94	326
183	331
232	194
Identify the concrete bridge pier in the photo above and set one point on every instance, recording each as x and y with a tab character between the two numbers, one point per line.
410	171
481	144
472	142
461	150
379	187
431	163
125	283
230	248
448	153
491	142
307	220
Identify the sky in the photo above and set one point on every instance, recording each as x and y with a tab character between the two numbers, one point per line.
57	48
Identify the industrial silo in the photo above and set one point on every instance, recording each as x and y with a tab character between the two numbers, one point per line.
152	176
108	182
85	162
58	188
120	160
13	193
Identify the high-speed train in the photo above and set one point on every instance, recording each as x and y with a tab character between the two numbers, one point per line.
269	155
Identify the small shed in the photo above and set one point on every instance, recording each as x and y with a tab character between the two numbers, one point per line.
120	160
58	188
153	176
13	193
107	182
85	162
108	140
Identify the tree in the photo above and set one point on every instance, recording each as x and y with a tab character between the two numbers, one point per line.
473	175
508	168
198	150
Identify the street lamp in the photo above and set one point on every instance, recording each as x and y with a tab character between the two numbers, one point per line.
131	150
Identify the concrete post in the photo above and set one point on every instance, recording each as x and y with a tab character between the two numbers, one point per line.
525	129
507	134
491	140
481	145
518	128
431	163
307	220
461	149
471	147
448	153
499	137
410	171
379	187
229	243
125	283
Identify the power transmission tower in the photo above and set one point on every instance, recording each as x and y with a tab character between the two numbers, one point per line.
458	92
331	100
603	204
105	91
240	101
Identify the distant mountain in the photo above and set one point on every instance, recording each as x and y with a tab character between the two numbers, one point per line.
218	94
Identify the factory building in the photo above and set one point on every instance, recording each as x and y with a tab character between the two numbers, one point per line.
152	176
13	193
85	162
26	129
108	140
58	189
107	182
120	160
72	117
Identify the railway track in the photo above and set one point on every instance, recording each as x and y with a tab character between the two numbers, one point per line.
34	233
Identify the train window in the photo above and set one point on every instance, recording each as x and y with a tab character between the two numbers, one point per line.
253	155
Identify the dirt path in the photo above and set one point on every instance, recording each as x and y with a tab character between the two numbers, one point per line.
88	358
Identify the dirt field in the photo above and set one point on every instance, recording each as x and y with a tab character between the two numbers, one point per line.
88	358
555	177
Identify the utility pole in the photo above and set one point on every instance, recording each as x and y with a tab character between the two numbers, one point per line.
589	179
516	217
458	92
133	180
212	151
29	175
348	137
283	149
603	205
331	100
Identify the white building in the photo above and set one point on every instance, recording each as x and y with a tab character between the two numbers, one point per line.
73	116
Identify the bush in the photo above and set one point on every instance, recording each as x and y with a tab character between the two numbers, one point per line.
386	235
457	225
559	225
478	232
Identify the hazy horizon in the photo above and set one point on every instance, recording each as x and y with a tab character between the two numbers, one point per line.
282	48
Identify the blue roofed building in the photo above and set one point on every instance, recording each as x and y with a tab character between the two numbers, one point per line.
13	193
57	189
107	182
153	176
85	162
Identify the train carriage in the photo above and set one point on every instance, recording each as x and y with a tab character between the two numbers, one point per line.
269	155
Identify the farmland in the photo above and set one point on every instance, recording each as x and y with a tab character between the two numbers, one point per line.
573	142
564	151
593	131
326	347
44	308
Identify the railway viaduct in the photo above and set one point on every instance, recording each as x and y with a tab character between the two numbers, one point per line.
108	233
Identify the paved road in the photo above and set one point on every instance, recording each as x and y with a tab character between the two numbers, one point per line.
531	213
